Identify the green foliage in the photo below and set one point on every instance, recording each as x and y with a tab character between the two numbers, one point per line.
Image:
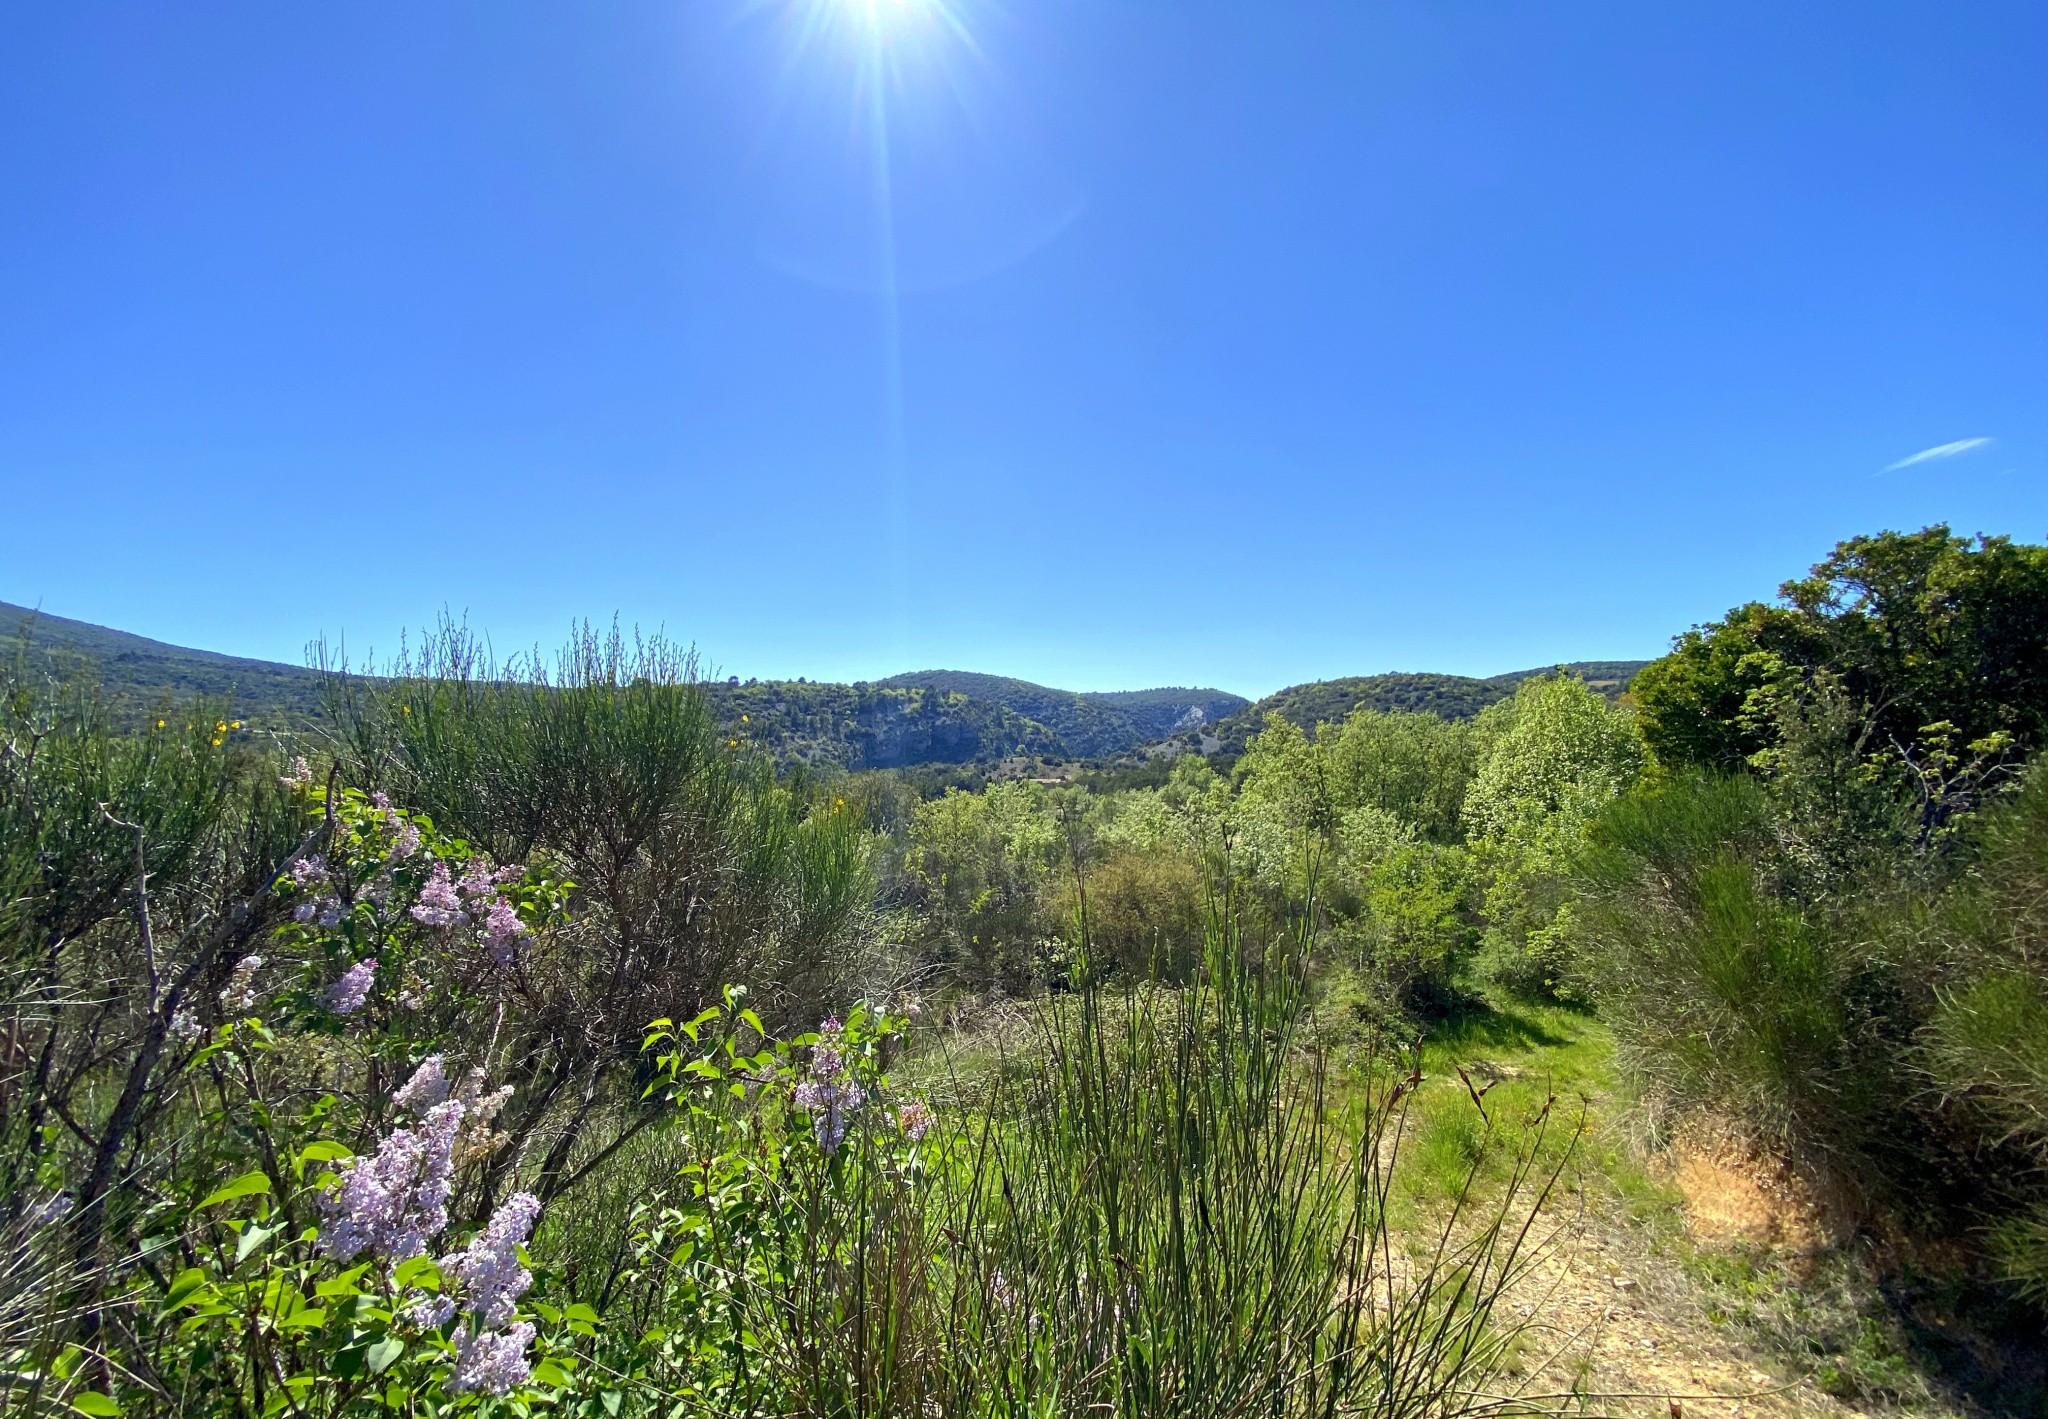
981	865
1452	697
695	864
1087	724
1921	627
1986	1039
1154	1212
1727	995
1559	753
873	726
136	676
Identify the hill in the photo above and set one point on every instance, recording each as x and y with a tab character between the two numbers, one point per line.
1088	723
946	717
1451	696
136	673
876	726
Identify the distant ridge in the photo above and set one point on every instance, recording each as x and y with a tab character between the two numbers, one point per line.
954	717
136	672
1089	723
1450	696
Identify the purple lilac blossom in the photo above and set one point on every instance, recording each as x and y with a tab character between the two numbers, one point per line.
477	883
185	1026
309	872
301	775
346	996
392	1202
438	905
427	1087
503	931
487	1272
491	1361
831	1107
321	911
826	1060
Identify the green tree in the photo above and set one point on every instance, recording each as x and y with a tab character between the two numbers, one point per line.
1921	628
1562	755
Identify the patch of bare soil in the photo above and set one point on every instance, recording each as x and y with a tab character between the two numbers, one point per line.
1617	1326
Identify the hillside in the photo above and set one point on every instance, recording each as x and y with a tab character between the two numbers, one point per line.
923	717
876	726
136	672
855	727
1451	696
1090	724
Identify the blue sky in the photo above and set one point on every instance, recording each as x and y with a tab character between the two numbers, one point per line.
1104	344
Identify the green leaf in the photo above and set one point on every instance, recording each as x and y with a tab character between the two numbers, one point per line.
324	1150
342	1285
419	1271
308	1319
547	1372
252	1238
384	1354
247	1185
190	1283
579	1311
94	1403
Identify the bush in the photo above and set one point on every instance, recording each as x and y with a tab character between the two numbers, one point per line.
1728	994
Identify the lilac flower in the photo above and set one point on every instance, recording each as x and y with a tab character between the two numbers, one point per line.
320	911
915	1118
491	1361
487	1272
477	883
240	993
826	1060
438	905
185	1026
309	872
301	775
346	996
831	1107
503	932
431	1310
427	1087
392	1202
405	837
381	801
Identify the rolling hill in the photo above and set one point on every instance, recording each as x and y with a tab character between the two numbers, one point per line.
947	717
1088	723
137	673
1451	696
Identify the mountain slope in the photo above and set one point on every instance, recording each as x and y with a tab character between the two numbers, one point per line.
136	673
1089	723
1451	696
875	726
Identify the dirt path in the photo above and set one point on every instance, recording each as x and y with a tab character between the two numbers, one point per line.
1613	1316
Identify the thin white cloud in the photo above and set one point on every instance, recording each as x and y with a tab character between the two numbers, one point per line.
1940	450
